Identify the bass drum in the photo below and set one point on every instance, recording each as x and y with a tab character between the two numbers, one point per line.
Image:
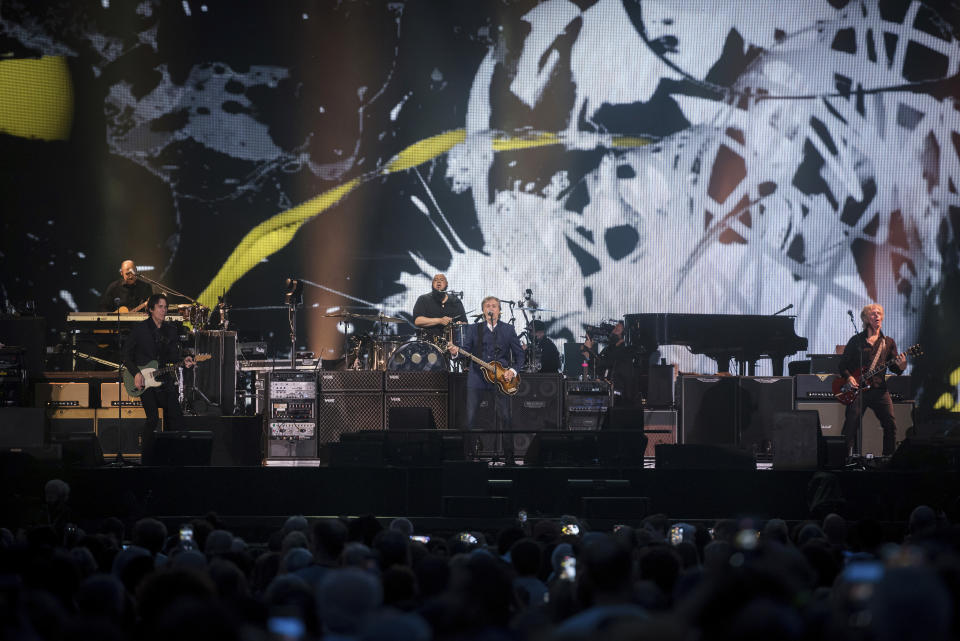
419	356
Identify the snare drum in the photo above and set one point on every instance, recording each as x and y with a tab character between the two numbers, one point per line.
419	356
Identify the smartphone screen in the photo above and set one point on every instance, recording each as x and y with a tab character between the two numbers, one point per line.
568	571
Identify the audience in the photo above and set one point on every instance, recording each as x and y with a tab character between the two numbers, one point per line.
358	578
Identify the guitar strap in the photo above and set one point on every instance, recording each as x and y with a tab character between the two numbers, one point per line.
876	357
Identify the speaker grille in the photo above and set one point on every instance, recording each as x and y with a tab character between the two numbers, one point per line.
351	381
339	413
436	401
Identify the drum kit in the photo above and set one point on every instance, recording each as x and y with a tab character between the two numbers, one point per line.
388	352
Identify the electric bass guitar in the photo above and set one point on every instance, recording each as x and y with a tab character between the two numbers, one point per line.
846	393
152	373
495	373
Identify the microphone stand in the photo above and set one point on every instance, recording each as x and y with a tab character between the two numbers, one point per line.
859	394
119	460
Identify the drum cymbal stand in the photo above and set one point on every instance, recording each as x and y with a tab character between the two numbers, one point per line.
293	298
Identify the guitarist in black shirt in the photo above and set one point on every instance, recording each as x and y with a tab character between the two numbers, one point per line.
865	350
155	340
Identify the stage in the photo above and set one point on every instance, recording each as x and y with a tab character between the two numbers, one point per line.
457	495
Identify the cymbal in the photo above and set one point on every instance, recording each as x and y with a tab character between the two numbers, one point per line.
536	309
383	318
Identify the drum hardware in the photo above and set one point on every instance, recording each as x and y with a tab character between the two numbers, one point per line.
418	356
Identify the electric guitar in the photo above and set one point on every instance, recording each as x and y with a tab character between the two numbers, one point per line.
495	373
846	393
151	373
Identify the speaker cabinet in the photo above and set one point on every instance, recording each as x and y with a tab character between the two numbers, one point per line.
796	440
621	448
22	427
61	395
81	449
760	398
348	412
71	421
708	410
416	381
217	378
351	381
660	386
831	423
119	430
436	402
660	426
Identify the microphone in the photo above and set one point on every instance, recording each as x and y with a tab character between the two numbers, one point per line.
453	293
116	301
527	294
490	314
790	306
850	313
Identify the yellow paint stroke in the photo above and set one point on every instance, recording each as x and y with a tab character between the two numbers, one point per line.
36	98
945	402
275	233
955	377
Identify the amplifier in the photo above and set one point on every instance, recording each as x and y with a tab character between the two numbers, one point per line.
831	423
416	381
352	412
435	401
586	403
291	384
115	395
62	395
351	381
815	386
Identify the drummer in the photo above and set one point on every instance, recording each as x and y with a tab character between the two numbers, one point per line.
435	311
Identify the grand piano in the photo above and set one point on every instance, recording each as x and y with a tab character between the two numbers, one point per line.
745	338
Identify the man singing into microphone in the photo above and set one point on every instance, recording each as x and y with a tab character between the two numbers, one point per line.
436	310
130	290
490	341
867	350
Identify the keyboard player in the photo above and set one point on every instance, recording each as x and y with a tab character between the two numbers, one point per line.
128	294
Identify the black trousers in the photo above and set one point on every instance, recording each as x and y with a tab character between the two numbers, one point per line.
167	397
882	405
475	397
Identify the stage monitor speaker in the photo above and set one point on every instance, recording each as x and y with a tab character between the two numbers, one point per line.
831	423
217	379
414	448
563	449
918	453
237	440
181	448
621	448
80	449
348	412
623	418
703	457
796	440
660	426
415	406
22	427
760	398
121	434
708	410
361	453
833	452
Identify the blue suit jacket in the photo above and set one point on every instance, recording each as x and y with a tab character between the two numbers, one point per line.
501	345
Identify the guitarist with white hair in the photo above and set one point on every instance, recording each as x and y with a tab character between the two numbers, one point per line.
864	352
155	340
491	342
